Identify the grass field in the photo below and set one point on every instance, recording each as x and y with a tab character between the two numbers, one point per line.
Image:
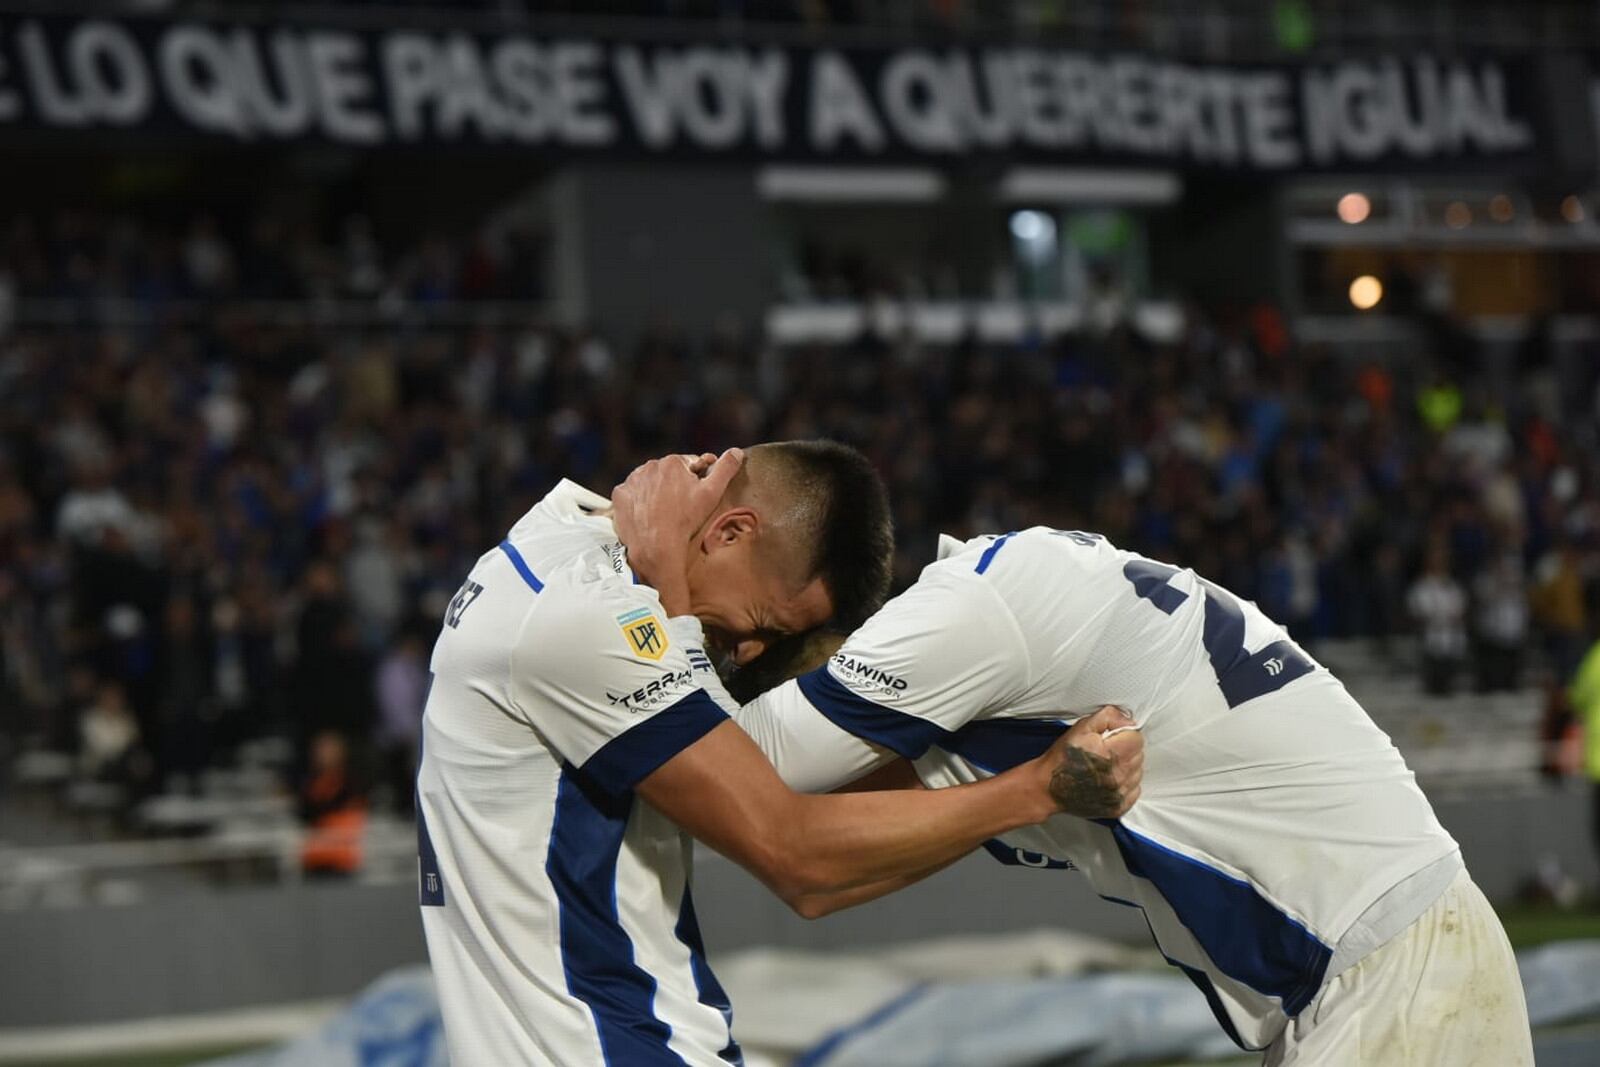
1528	926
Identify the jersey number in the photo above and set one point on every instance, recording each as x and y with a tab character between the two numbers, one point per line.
1241	675
461	602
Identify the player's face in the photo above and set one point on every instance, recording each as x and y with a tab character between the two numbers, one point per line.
745	613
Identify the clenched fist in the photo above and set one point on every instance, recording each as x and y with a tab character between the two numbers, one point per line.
1099	765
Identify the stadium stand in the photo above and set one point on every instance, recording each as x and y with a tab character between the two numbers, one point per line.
216	554
1325	332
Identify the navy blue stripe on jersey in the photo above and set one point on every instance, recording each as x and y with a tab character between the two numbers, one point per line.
430	883
625	760
1150	582
988	553
1012	856
1247	937
1223	632
1265	672
711	992
1203	983
997	745
1240	675
596	952
522	566
902	733
1201	980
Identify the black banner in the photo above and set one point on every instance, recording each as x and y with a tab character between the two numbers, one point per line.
570	94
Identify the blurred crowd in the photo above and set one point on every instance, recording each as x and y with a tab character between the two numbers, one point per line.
87	256
228	523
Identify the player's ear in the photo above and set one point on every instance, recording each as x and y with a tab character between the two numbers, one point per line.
729	528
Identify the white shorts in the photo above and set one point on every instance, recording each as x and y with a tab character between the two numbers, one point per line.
1443	993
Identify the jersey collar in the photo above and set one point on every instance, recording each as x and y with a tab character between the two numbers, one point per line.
568	500
570	492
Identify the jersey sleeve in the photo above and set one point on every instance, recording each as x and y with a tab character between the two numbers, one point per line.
688	634
597	671
811	752
933	659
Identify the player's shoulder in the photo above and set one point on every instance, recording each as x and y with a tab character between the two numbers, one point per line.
587	609
1021	550
565	546
951	594
1031	575
588	583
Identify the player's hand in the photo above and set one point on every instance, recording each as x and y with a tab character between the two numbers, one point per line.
660	508
1097	766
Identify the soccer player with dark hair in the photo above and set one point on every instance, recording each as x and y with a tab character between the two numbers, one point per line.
570	745
1281	851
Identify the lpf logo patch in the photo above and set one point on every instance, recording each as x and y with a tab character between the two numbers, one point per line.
647	638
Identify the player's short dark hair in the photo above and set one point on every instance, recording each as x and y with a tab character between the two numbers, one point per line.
782	660
848	523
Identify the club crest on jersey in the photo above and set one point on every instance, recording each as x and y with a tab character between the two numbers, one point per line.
647	638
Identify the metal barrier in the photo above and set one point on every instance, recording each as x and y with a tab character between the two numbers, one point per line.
122	872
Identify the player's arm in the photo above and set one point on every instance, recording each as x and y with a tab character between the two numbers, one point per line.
1072	786
896	774
627	717
810	752
808	849
818	905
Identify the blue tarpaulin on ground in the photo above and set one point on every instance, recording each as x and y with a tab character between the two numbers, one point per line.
393	1023
1088	1020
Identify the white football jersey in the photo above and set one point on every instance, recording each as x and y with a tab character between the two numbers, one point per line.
1279	836
555	902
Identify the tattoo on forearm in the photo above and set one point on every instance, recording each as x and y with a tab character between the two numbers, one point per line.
1084	785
